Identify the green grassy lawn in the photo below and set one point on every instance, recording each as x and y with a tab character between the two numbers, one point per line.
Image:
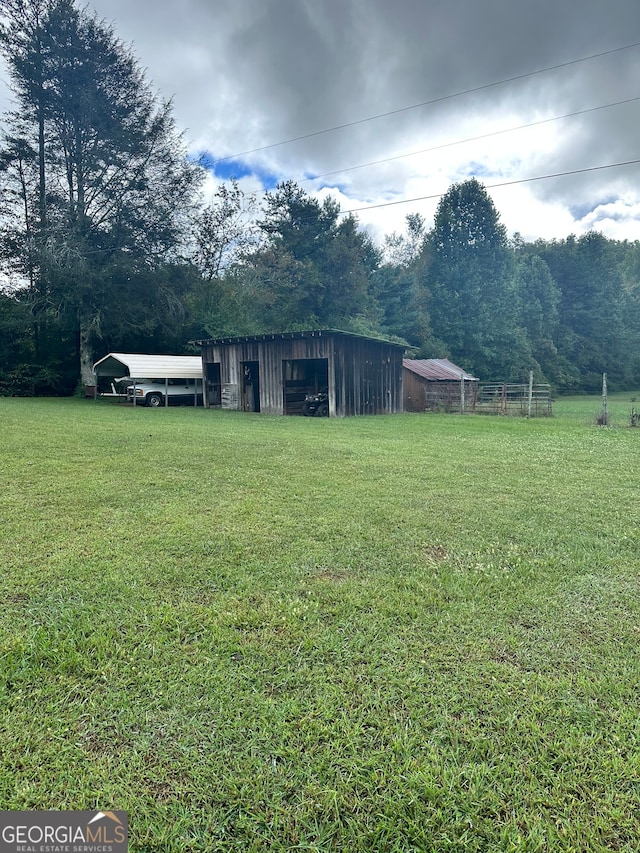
403	633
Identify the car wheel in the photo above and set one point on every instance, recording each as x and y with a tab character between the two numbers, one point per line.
154	400
323	410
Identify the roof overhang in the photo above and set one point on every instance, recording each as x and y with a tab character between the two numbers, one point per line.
139	366
312	333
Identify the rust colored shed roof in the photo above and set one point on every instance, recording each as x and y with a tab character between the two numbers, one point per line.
435	369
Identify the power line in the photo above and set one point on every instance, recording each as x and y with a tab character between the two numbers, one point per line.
495	186
468	139
430	102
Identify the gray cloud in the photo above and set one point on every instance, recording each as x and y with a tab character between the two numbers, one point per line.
254	72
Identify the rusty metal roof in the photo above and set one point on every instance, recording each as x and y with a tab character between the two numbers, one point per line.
437	369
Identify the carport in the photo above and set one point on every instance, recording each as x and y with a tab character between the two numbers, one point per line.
137	367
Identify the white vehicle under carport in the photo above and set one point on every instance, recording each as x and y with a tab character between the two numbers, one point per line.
157	392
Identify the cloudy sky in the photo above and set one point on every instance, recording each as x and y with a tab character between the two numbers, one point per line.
382	102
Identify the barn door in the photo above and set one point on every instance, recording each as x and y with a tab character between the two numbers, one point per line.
250	399
214	385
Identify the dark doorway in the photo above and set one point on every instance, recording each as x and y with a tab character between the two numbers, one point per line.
214	385
303	376
250	386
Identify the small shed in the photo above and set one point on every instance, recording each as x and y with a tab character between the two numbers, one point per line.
436	384
273	373
138	366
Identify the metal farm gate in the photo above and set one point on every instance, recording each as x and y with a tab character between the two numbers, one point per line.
525	400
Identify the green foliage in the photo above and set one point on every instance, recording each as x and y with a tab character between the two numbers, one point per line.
315	267
96	178
539	301
403	300
596	331
33	355
224	231
398	285
475	304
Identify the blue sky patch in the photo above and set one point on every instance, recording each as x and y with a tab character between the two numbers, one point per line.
579	211
477	170
227	170
332	185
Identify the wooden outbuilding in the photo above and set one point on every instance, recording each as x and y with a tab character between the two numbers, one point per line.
436	384
273	373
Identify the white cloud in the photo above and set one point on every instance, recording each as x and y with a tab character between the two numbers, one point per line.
251	73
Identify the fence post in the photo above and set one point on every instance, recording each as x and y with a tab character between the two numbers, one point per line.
604	416
530	393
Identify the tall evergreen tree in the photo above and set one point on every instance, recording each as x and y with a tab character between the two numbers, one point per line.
475	305
315	267
97	183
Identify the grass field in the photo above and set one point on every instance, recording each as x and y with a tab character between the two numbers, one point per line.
404	633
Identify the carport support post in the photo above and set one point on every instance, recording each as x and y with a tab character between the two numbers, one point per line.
166	391
134	392
462	393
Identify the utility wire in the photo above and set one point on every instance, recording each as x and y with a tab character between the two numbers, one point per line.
468	139
438	100
495	186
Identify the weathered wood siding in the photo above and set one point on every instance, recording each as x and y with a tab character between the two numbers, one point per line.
364	375
368	378
414	390
425	395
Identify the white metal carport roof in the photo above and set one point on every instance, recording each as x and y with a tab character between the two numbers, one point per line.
139	366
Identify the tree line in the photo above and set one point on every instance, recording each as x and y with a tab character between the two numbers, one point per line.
106	244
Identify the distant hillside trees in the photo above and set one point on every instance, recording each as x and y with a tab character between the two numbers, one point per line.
594	333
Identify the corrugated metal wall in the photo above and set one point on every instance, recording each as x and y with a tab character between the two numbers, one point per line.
365	376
